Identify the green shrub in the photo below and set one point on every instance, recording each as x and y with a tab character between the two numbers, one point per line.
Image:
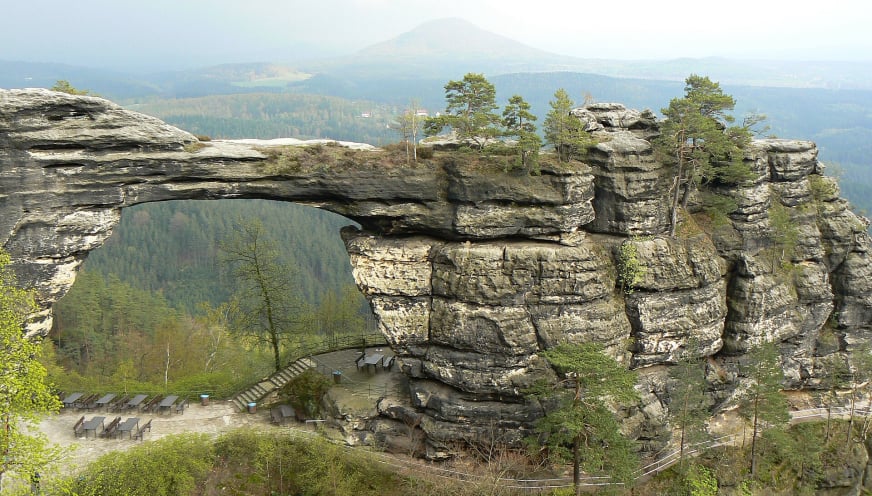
305	392
171	466
425	152
271	462
630	269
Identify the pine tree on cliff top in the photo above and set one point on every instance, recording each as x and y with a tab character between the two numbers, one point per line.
470	111
698	139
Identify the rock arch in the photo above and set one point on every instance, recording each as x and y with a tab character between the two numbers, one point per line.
471	271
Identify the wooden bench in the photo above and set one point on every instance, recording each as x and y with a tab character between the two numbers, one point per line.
130	426
118	404
388	363
87	402
139	433
111	429
152	404
359	360
79	428
180	408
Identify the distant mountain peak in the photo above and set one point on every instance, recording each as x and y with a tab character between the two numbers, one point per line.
451	37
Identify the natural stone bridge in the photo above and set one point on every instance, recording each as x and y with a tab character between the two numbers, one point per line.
471	272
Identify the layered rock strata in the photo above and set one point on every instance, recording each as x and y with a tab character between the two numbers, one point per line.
472	273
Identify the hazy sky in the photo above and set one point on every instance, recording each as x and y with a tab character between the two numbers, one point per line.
156	34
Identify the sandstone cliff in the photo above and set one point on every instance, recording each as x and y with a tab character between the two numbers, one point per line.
472	273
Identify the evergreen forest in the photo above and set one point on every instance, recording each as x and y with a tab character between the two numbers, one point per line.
153	305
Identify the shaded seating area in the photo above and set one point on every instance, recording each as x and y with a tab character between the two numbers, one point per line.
97	425
103	401
369	361
129	426
166	404
135	402
93	425
71	399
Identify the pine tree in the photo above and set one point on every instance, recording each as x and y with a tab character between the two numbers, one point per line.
582	429
470	108
518	122
564	131
688	405
763	404
697	137
860	377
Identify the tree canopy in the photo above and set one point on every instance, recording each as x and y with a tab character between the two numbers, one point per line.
471	103
519	124
564	131
762	403
64	86
580	427
698	138
266	307
24	393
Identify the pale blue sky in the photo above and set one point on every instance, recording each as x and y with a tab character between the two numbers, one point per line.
169	34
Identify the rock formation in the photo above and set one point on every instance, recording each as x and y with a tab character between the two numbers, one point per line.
471	272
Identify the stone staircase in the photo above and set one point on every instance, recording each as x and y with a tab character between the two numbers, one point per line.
260	390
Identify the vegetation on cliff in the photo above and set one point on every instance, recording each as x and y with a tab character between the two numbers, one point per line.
697	137
25	394
579	425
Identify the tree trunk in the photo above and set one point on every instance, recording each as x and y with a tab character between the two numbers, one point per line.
851	418
576	466
167	366
754	439
673	223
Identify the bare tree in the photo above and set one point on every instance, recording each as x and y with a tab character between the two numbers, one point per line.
408	125
265	307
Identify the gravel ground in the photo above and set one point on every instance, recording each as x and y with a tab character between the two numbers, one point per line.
358	391
215	418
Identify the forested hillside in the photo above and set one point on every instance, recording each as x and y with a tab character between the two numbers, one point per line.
270	115
173	248
149	310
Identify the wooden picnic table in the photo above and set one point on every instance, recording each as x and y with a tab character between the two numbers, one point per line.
167	402
372	359
93	424
136	400
129	426
105	400
71	399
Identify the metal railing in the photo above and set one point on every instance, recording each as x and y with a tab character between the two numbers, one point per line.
337	343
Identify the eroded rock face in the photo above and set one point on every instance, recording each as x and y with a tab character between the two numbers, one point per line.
472	274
